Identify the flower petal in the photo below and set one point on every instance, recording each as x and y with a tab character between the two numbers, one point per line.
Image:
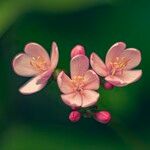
36	50
79	65
91	80
54	56
21	65
114	52
98	66
127	78
64	83
114	80
73	99
35	84
131	76
133	56
89	98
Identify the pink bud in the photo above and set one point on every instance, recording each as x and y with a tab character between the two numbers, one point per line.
102	116
77	50
108	86
74	116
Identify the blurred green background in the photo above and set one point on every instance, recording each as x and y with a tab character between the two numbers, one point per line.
40	121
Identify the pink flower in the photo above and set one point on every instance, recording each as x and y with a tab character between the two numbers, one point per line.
102	116
118	65
36	63
74	116
79	90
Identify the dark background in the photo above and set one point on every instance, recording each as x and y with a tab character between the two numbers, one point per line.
40	121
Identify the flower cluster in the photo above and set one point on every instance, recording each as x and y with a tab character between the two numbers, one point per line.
80	90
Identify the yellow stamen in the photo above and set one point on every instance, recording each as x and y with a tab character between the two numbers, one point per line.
78	82
118	65
39	64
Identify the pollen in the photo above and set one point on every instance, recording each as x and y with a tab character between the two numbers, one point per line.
78	82
118	65
39	64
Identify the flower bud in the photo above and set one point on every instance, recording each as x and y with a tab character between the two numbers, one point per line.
77	50
108	86
74	116
102	116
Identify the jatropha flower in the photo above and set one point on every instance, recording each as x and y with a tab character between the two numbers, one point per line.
79	90
36	63
118	66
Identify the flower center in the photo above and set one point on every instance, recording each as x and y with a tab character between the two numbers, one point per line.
39	64
118	65
78	82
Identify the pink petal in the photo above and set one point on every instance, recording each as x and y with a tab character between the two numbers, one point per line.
73	99
21	65
64	83
54	56
91	80
114	52
89	98
79	65
131	76
114	80
133	56
35	84
127	78
98	66
36	50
